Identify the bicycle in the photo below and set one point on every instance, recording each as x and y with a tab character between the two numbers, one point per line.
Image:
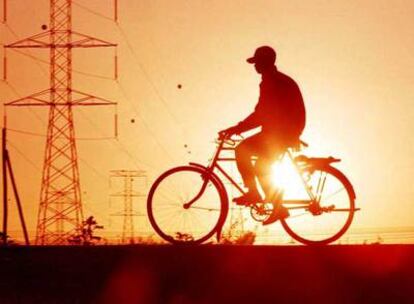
189	204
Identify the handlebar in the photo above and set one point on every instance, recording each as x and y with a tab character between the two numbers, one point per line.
227	139
222	140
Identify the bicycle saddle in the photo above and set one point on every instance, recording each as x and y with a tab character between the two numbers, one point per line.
316	160
298	145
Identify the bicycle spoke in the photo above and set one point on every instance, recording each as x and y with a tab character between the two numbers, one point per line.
296	207
167	213
299	215
334	193
321	185
205	208
329	216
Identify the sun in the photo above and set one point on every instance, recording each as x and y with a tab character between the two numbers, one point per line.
285	176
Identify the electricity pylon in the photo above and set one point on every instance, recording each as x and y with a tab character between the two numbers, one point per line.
128	232
60	210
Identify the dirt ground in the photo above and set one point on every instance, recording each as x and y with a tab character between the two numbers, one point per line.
208	274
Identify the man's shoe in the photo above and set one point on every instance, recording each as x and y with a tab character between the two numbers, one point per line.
278	213
247	199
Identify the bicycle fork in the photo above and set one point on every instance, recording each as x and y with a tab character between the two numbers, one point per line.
200	193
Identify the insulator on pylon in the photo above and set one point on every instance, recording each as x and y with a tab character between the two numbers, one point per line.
4	11
116	125
116	10
116	66
4	65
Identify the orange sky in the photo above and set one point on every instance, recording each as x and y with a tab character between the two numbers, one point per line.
352	59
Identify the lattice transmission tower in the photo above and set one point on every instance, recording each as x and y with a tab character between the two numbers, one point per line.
128	194
60	211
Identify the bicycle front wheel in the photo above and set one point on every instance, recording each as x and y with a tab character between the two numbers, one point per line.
177	222
327	220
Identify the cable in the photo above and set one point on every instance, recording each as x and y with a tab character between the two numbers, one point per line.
23	155
37	59
43	135
86	138
120	146
144	71
29	108
121	87
93	169
137	112
33	164
37	167
18	38
92	11
141	66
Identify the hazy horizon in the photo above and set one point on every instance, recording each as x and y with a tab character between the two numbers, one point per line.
352	60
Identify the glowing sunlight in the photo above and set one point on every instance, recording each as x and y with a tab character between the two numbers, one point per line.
286	177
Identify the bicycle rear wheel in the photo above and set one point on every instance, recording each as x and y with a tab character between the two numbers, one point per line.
325	223
176	187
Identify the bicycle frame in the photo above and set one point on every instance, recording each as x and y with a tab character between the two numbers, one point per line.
315	174
214	164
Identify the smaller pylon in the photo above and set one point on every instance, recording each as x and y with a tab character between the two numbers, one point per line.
128	194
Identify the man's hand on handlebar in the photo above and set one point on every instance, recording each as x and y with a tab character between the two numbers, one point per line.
226	133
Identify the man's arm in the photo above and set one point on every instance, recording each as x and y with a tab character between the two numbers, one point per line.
250	122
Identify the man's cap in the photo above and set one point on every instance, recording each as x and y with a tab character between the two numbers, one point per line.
263	54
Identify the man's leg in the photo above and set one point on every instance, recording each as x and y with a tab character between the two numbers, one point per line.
271	152
264	172
244	152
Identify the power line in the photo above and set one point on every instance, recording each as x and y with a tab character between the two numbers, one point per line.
144	123
39	60
92	11
102	138
44	135
96	76
34	165
20	96
60	211
41	120
92	168
163	101
120	146
18	38
146	75
9	143
141	66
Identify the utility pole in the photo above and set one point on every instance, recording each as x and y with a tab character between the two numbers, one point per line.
60	211
128	194
8	174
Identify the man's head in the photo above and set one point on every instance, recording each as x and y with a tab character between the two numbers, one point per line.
264	59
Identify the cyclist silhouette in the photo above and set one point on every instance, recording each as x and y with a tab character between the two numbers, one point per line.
280	112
